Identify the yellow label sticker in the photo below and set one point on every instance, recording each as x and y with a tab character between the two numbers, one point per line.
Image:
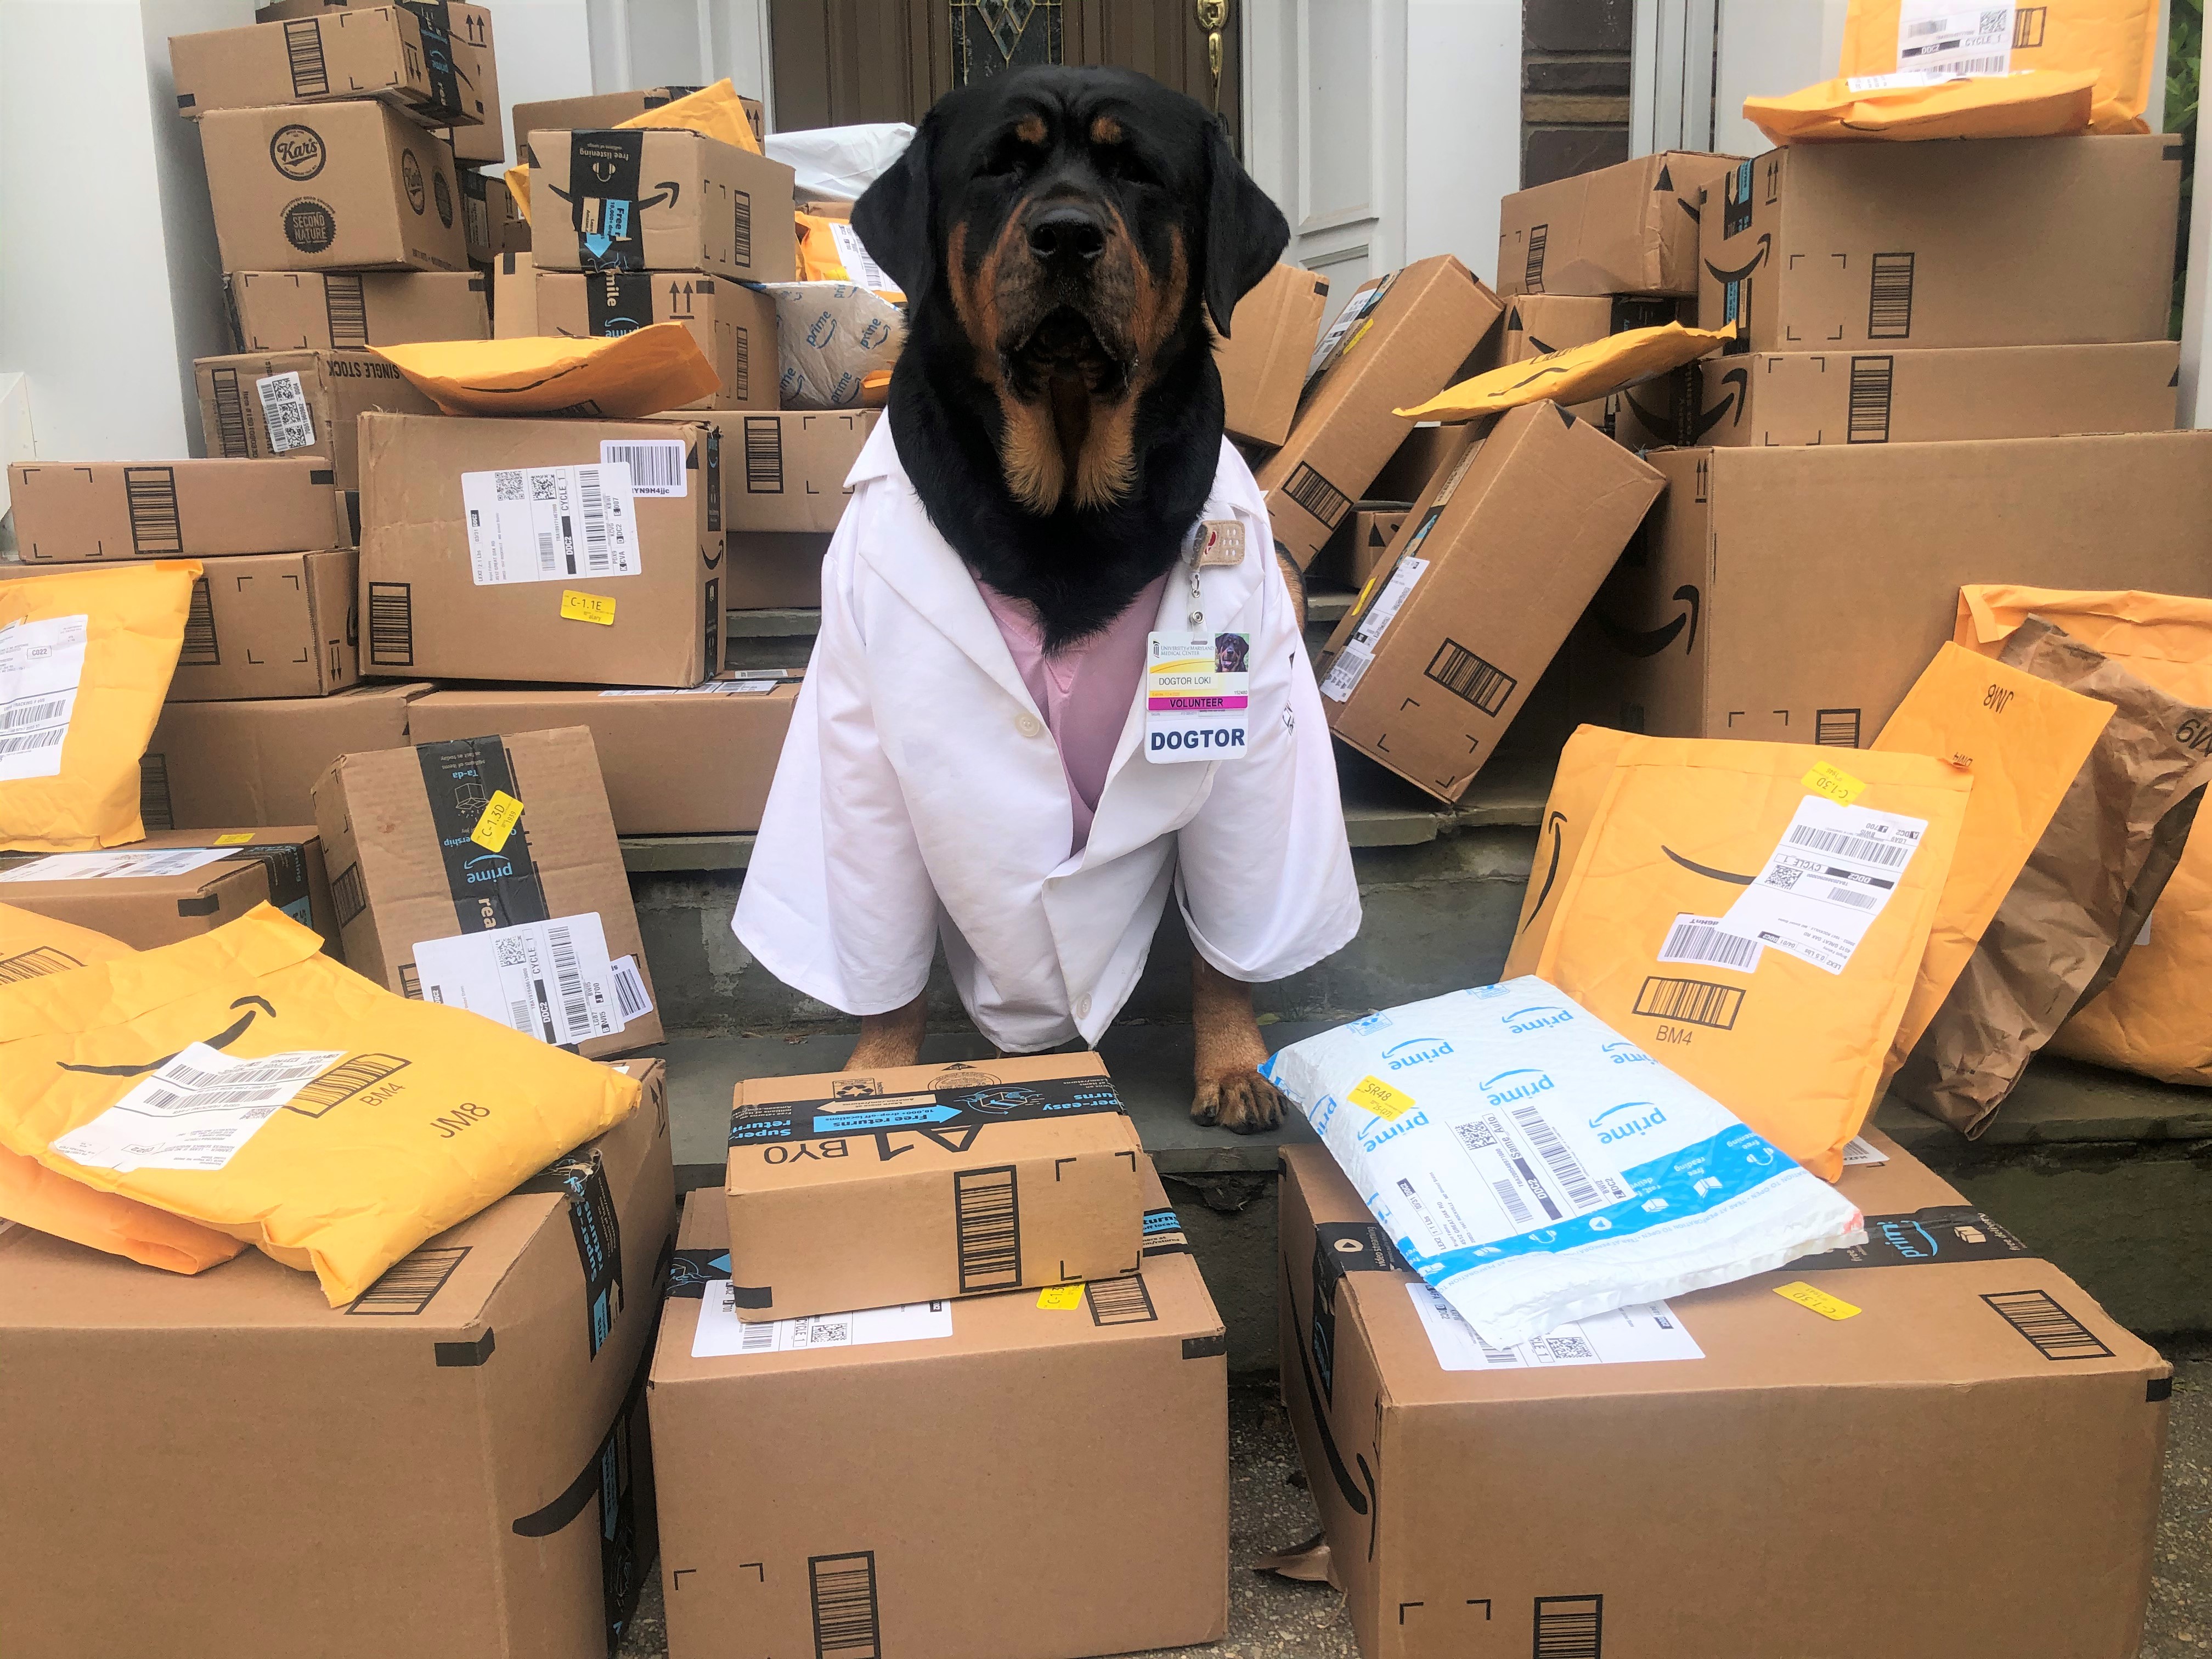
1380	1098
587	607
1061	1298
496	822
1828	1307
240	839
1836	784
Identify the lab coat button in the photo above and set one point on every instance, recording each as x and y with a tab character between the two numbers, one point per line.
1028	724
1083	1008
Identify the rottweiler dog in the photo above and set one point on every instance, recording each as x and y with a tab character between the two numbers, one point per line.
1064	237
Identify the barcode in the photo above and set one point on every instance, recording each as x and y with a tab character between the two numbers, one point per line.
1841	844
230	431
1120	1301
2056	1334
303	46
1467	676
154	808
1927	26
391	624
1692	1001
344	1082
35	964
1837	728
764	456
346	304
518	1014
1855	899
755	1338
35	714
1517	1212
1995	66
1558	1158
743	224
150	494
51	738
574	1011
1570	1627
349	893
284	411
629	992
655	464
549	553
744	374
1889	303
1868	422
1704	942
410	984
199	649
1531	277
986	1225
250	1084
843	1591
409	1284
1321	498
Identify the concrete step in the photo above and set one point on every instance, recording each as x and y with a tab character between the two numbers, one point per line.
2107	1174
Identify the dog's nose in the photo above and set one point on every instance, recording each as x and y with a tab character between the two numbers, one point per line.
1066	235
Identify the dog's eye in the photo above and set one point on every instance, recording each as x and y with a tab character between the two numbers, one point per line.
1120	162
1008	157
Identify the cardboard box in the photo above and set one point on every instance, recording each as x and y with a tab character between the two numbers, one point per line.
909	1513
488	216
368	51
1271	343
1916	396
607	109
1361	545
514	297
773	569
650	744
430	608
275	625
290	854
74	512
467	29
320	311
697	204
218	765
734	325
1631	228
1395	344
1414	462
397	828
1793	595
1637	417
142	911
260	404
346	187
1427	676
917	1183
466	1418
2003	241
786	472
1677	1508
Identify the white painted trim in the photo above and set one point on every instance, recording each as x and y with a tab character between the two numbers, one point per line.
2196	406
2154	110
1670	90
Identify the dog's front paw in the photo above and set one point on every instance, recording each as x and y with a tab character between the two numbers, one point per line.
1242	1101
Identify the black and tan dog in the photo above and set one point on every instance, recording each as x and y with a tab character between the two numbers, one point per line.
1063	237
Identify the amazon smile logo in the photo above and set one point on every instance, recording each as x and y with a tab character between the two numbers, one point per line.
1765	248
1649	642
222	1039
1557	825
1696	869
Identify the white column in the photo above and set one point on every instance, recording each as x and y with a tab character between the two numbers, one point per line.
1462	126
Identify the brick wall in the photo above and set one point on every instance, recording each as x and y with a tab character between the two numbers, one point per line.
1574	86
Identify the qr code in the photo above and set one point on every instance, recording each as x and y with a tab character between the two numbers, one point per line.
511	953
508	486
1783	876
1566	1347
823	1334
544	487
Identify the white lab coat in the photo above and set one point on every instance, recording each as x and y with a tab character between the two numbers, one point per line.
919	797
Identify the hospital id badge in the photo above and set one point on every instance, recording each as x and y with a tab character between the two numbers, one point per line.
1196	689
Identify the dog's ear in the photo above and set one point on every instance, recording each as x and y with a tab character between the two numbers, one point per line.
1244	233
892	217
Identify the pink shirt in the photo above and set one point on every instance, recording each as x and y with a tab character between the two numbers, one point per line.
1085	691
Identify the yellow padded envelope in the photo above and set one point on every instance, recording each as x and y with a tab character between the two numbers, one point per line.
2035	103
2156	1017
715	110
1585	769
1575	375
2116	40
1757	936
2022	740
153	1077
31	947
85	660
651	369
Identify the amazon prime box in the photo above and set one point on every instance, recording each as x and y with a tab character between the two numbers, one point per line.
734	325
608	109
659	198
1630	228
478	1417
323	311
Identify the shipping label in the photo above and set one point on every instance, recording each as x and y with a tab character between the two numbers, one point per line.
1352	663
284	412
721	1335
195	1111
549	980
40	664
1821	889
96	867
1950	38
545	523
1643	1332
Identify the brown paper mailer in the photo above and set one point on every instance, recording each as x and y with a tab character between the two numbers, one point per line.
2022	740
2152	1018
1575	375
1685	825
1939	1398
1585	773
608	109
2031	104
2064	931
917	1183
642	373
940	1473
2115	40
31	947
734	322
